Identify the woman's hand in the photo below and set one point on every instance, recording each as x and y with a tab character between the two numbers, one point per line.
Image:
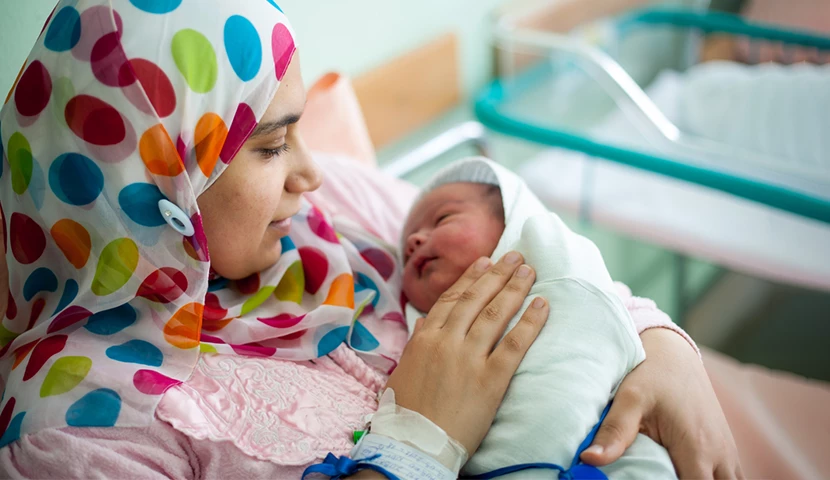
449	372
669	398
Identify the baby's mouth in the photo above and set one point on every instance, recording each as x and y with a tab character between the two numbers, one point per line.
422	263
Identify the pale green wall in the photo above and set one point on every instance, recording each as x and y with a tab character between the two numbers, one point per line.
356	35
20	25
351	36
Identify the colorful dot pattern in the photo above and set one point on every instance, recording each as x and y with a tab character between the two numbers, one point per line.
123	103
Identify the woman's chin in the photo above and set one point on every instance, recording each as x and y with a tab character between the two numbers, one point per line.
271	257
262	260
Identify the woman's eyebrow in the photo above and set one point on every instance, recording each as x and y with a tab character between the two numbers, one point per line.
270	127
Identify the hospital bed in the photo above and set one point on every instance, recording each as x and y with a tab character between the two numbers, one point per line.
607	94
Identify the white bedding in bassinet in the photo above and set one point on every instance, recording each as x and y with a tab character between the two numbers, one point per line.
781	111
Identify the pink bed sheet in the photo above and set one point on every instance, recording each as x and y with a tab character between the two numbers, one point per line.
781	422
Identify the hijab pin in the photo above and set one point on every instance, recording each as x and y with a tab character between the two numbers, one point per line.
176	218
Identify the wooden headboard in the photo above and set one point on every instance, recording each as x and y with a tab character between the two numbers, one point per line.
564	15
410	91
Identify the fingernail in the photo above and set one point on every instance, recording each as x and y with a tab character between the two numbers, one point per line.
539	302
523	271
482	263
595	449
512	258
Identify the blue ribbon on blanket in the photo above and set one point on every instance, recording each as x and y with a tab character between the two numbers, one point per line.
577	471
337	468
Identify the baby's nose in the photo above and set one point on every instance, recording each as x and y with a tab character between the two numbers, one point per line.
414	241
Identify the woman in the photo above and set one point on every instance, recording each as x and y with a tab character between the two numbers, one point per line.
177	309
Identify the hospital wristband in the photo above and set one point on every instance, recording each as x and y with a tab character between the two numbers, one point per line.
413	429
402	461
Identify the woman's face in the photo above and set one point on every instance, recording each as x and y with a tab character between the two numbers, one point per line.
249	208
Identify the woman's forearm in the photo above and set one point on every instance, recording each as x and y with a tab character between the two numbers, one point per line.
647	316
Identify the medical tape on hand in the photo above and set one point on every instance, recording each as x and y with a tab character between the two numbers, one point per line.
412	428
401	460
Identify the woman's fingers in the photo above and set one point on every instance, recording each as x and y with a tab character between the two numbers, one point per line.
440	312
739	472
489	327
690	465
728	469
473	301
726	472
507	356
618	430
692	459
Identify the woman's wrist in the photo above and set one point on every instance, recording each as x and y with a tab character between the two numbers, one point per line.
665	339
413	429
397	459
386	458
670	333
667	346
399	444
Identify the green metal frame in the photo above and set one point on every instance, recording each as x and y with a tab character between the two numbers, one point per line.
487	109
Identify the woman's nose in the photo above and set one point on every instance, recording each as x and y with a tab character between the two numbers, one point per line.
306	175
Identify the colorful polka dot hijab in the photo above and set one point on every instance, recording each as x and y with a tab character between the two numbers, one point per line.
123	104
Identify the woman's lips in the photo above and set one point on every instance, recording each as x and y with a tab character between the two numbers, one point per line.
283	226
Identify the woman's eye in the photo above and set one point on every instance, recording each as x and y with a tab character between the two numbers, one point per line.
268	153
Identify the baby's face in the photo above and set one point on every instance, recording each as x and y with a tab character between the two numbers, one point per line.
448	230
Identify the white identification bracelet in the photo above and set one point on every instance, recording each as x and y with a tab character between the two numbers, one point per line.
413	429
403	461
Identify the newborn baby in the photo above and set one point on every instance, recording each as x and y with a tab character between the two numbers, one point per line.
446	231
476	208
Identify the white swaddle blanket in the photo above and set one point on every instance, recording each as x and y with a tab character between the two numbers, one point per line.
582	354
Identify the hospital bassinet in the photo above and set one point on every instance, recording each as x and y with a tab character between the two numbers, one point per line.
554	86
586	88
